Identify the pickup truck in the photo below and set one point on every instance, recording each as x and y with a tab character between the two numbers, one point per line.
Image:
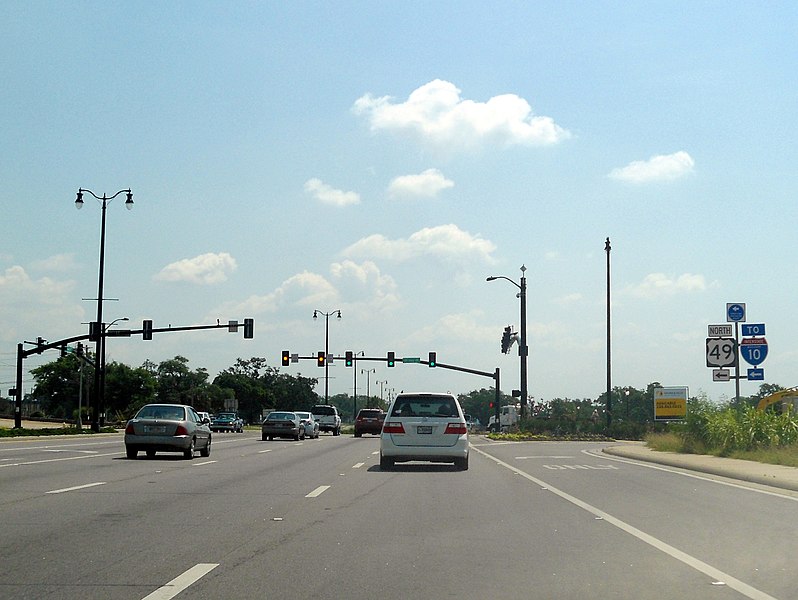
328	418
227	421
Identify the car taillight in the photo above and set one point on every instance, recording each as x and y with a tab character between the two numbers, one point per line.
456	428
181	430
129	429
393	427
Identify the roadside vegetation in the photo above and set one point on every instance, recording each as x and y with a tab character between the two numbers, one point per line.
735	431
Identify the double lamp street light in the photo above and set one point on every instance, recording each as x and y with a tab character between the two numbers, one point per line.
97	329
326	316
523	350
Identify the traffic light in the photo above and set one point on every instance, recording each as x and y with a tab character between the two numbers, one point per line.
349	358
507	340
432	359
146	329
63	350
286	358
391	359
79	351
320	359
249	327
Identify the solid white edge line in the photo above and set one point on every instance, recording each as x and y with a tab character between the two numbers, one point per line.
77	487
716	574
181	582
318	491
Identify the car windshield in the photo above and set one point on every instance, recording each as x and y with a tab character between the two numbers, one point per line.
425	407
175	413
280	416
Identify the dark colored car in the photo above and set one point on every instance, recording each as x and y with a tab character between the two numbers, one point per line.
369	420
282	424
227	421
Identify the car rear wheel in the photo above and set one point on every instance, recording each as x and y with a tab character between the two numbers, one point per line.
206	451
386	463
150	453
131	451
461	463
189	452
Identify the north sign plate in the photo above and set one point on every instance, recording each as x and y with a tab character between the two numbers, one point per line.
724	330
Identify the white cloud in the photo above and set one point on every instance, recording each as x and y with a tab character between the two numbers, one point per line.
329	195
657	285
427	184
205	269
438	113
447	242
662	167
45	302
57	262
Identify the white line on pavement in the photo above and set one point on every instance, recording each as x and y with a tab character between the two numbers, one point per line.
181	582
318	491
77	487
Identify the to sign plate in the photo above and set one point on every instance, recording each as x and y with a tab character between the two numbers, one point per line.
753	329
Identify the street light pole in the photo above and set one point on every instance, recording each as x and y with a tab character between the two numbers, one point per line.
523	349
368	373
99	395
326	315
102	370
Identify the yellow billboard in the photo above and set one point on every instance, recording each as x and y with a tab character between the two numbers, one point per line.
670	403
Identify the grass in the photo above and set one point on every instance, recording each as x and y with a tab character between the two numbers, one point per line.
776	455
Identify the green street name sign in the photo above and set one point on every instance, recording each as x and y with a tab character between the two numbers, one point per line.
411	359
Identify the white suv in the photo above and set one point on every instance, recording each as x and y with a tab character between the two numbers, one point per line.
327	417
424	426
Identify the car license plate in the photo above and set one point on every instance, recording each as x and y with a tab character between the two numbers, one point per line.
154	429
424	429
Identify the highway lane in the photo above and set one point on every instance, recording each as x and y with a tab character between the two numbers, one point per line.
319	518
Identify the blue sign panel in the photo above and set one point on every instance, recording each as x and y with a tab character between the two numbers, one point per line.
754	350
753	329
756	374
735	312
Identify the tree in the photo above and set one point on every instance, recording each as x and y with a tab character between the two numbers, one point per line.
58	385
127	389
179	385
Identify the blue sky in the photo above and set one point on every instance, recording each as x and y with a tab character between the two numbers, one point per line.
384	159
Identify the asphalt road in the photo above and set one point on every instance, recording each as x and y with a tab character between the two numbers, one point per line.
318	518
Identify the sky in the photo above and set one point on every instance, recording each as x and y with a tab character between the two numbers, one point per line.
383	159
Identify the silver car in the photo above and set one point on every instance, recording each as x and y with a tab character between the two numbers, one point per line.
424	426
167	428
311	425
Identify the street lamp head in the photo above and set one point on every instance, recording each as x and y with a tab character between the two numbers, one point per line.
491	278
315	314
79	200
339	315
129	201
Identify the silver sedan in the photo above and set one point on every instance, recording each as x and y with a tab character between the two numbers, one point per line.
311	424
167	428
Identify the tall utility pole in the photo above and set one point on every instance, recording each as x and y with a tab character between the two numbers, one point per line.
98	408
523	349
607	248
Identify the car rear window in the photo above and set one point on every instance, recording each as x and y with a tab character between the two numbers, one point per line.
369	413
323	410
175	413
424	407
280	416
